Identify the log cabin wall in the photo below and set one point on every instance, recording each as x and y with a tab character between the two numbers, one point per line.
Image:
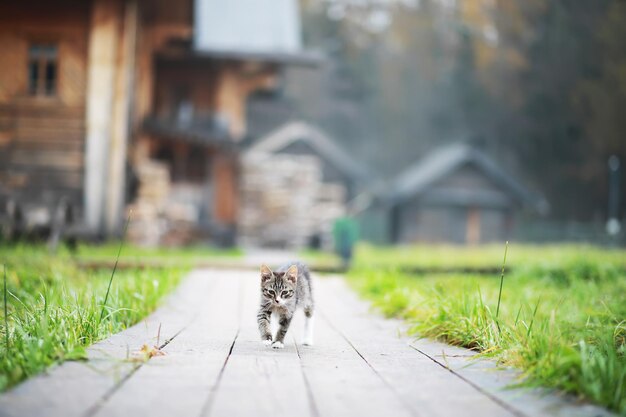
42	112
124	37
70	137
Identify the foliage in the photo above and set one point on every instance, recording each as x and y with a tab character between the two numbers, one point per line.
562	317
54	308
539	84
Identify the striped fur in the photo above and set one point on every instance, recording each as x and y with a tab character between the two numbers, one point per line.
282	292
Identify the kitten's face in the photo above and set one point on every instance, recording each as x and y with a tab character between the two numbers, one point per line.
278	288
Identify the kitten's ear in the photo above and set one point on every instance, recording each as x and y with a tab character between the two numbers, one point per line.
292	273
266	273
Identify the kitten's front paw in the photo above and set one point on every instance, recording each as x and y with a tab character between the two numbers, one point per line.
278	345
267	342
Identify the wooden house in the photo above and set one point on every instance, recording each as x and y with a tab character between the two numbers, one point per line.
456	194
44	80
110	102
296	181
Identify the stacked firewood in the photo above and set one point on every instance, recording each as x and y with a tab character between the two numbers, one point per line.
148	224
285	203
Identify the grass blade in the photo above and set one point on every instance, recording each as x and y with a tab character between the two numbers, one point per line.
506	249
6	312
119	251
532	320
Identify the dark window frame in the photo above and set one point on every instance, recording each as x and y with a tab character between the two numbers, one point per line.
43	69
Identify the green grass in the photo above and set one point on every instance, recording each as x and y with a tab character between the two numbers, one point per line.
562	317
319	258
54	308
488	256
183	255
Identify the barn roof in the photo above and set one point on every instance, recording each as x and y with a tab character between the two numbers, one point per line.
441	162
250	29
317	140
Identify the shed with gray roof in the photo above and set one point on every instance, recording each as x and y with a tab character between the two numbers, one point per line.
457	194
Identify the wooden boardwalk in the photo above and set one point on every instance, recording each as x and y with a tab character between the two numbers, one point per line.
215	365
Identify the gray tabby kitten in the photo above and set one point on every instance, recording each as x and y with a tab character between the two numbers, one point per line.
282	292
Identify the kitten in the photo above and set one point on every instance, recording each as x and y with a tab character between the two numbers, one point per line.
282	292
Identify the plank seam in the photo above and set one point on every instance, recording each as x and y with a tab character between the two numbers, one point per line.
477	387
387	384
206	408
91	411
313	407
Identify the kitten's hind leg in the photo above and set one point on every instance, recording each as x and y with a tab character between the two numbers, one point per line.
308	327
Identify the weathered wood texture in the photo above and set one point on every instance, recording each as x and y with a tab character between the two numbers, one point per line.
179	382
42	137
225	172
214	365
80	388
43	151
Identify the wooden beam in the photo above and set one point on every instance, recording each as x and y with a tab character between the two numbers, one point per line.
235	84
225	188
472	231
103	41
121	121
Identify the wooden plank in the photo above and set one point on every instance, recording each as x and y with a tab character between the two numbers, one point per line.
75	388
47	178
257	379
51	158
73	122
43	109
65	144
484	375
68	390
31	197
341	382
424	386
49	132
225	182
179	383
7	122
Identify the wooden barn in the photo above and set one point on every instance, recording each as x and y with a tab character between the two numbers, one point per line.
109	102
296	181
456	194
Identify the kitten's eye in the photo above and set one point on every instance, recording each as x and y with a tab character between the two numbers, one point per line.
271	292
286	294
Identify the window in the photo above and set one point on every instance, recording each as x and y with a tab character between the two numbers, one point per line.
42	69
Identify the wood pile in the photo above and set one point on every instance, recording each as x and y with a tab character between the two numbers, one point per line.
148	223
285	203
161	216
